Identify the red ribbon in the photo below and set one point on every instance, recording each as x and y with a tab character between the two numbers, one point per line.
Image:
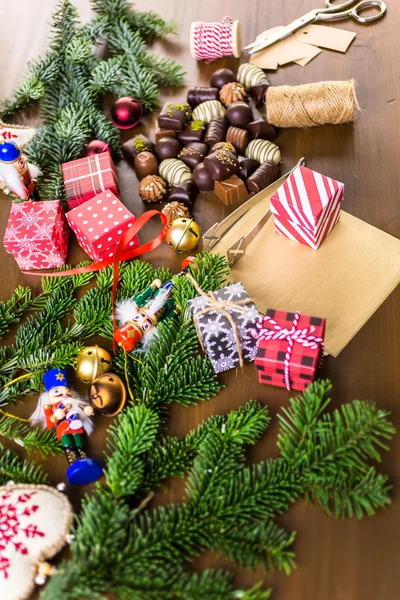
120	254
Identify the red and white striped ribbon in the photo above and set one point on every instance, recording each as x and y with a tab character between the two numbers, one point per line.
301	336
212	40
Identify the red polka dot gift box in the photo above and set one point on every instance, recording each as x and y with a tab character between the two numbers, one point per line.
290	348
99	225
37	235
86	177
307	206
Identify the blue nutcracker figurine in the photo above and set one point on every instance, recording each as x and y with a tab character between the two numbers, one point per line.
61	409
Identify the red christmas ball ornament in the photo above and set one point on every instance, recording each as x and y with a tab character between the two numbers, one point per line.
95	147
126	112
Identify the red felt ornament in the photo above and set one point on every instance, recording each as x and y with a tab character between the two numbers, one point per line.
126	112
95	147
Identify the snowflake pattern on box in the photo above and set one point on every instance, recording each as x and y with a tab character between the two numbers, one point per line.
34	521
217	334
37	235
15	527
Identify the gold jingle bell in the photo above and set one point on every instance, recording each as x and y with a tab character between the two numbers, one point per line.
183	234
91	363
107	394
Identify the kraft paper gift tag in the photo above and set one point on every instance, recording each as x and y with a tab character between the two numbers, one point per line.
345	280
301	47
330	38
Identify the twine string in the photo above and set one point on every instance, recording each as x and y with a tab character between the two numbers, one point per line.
212	40
312	104
294	335
222	306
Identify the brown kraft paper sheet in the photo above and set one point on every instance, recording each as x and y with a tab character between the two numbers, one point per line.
345	280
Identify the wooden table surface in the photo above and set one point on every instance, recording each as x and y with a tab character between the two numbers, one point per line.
337	560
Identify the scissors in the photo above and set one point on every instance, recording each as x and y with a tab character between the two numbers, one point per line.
332	12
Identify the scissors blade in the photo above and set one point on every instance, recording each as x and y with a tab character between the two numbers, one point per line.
283	33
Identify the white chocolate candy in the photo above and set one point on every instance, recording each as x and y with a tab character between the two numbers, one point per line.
249	75
208	110
263	150
175	171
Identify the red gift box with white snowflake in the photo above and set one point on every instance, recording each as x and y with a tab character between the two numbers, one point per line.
37	235
307	206
290	348
100	223
87	177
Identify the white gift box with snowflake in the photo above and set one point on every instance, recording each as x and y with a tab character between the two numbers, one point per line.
225	322
34	523
37	235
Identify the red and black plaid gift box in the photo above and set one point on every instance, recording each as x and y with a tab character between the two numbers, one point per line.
290	347
86	177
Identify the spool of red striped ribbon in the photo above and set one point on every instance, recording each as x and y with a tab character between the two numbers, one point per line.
209	41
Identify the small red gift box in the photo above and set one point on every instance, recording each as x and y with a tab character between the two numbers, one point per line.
290	347
86	177
307	206
37	235
99	225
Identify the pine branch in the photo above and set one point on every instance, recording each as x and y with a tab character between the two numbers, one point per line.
13	468
133	434
41	441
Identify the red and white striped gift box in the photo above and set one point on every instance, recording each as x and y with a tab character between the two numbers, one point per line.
307	206
86	177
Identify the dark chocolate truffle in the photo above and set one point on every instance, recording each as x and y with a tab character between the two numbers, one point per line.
221	164
247	166
261	130
132	147
216	130
167	147
266	174
197	95
221	77
174	116
257	92
193	132
239	114
203	179
191	156
184	193
145	164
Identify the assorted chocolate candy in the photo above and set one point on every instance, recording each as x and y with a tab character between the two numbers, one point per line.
167	147
221	77
197	95
145	164
212	142
174	116
193	132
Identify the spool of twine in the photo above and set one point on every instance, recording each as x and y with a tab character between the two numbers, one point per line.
209	41
311	104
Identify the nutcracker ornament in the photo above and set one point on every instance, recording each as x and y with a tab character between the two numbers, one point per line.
60	408
16	172
140	315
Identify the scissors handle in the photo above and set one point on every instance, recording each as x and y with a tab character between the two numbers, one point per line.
354	12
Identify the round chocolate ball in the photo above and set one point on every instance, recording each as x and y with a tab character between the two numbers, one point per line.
145	164
203	179
221	77
167	147
239	114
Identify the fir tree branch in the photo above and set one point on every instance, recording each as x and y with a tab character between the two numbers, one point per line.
41	441
13	468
